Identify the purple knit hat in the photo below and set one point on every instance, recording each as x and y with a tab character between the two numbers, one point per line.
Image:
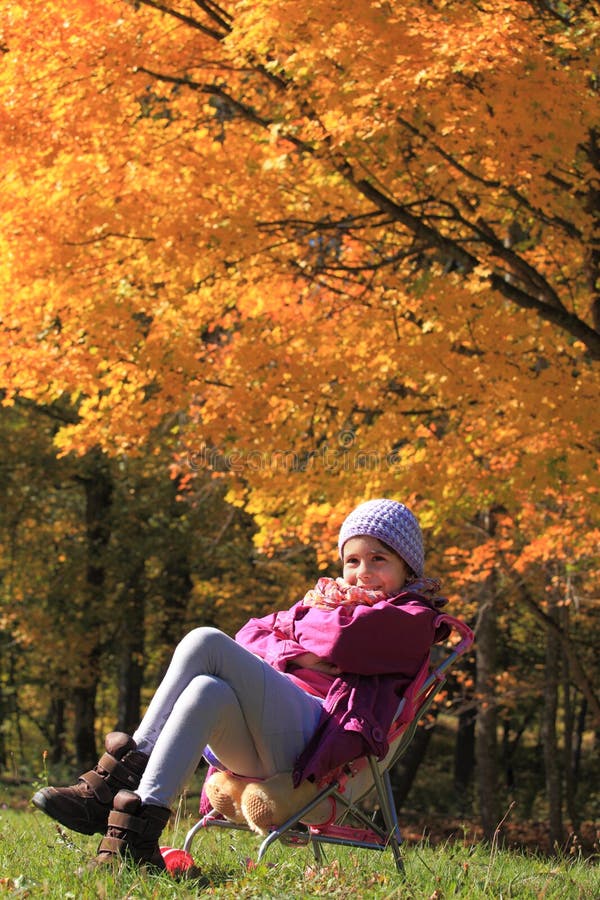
390	522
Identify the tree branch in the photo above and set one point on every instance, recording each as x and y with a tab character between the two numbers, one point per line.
579	676
529	294
188	20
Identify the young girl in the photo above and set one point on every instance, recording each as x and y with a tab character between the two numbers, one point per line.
307	690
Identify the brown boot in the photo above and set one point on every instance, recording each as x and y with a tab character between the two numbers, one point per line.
84	807
133	831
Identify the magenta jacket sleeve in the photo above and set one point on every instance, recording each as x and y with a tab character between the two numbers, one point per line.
370	640
272	638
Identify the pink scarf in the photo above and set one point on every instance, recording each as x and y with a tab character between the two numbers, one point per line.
330	593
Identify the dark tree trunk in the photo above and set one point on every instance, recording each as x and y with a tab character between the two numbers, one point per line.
570	747
177	587
506	756
405	771
464	751
131	669
97	482
579	739
485	728
56	721
486	724
510	746
84	708
464	748
3	716
549	739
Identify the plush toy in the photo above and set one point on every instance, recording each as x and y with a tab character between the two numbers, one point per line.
272	802
224	792
263	804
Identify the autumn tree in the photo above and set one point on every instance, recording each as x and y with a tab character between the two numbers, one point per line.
104	567
423	162
319	258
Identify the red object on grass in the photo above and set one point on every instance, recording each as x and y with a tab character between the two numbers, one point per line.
176	861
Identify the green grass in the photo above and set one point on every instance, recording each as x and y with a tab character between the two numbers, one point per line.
39	859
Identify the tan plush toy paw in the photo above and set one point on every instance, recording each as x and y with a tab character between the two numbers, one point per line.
272	802
224	792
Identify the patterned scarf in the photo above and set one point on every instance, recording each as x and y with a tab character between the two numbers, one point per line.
330	593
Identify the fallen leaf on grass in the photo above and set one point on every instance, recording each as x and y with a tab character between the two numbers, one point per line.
19	885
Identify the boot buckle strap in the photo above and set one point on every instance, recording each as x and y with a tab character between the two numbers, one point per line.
112	845
126	821
98	785
117	770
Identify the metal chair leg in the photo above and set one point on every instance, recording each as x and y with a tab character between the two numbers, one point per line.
385	795
318	854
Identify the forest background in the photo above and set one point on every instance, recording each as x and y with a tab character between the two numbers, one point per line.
256	266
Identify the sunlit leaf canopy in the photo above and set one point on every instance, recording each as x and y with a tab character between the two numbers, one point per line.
327	255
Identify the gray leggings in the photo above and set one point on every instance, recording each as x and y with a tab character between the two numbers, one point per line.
217	693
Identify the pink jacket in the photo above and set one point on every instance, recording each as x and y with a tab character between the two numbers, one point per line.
379	649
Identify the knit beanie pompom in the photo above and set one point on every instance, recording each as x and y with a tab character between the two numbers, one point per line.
390	522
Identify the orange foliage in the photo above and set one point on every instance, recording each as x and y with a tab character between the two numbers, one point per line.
323	258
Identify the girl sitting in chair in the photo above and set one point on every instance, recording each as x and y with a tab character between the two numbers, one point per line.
298	692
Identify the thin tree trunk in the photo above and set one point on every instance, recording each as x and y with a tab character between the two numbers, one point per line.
56	722
506	756
549	738
569	748
510	747
464	752
3	712
407	767
97	482
84	708
131	671
579	739
486	724
177	588
585	683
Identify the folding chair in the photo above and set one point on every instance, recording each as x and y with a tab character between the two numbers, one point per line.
335	810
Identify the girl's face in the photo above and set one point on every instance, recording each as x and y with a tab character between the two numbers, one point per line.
370	564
